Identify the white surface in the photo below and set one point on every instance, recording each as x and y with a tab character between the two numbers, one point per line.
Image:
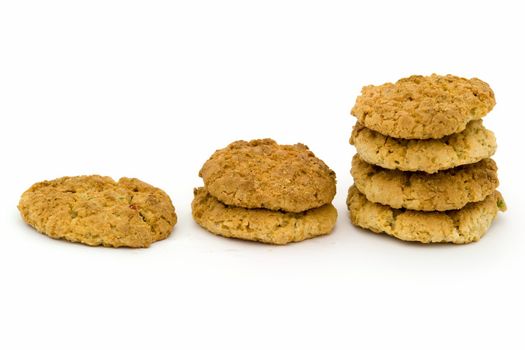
151	89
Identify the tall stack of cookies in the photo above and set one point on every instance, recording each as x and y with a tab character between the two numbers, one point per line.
262	191
423	171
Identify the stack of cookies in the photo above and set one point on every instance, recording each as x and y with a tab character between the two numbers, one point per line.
423	171
262	191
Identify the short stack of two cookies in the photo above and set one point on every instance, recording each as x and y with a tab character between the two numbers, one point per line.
262	191
423	170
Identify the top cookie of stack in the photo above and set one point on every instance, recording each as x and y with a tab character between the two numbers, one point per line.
428	178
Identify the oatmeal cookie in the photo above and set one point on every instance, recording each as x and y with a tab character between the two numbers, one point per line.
444	190
264	174
469	146
96	210
465	225
423	107
262	225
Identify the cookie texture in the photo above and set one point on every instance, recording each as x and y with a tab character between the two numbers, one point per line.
264	174
445	190
469	146
96	210
423	107
465	225
262	225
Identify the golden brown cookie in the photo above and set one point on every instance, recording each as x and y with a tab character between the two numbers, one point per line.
262	225
263	174
465	225
445	190
423	107
467	147
95	210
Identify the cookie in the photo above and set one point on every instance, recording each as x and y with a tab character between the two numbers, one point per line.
95	210
423	107
263	174
262	225
469	146
445	190
465	225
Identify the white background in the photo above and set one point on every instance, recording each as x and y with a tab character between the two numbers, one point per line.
150	89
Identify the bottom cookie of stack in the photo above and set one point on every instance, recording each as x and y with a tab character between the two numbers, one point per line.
464	225
262	225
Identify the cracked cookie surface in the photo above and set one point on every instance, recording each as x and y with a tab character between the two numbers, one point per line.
262	225
465	225
445	190
423	107
264	174
96	210
469	146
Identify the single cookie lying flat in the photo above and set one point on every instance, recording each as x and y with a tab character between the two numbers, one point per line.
465	225
263	174
263	225
445	190
469	146
96	210
423	107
